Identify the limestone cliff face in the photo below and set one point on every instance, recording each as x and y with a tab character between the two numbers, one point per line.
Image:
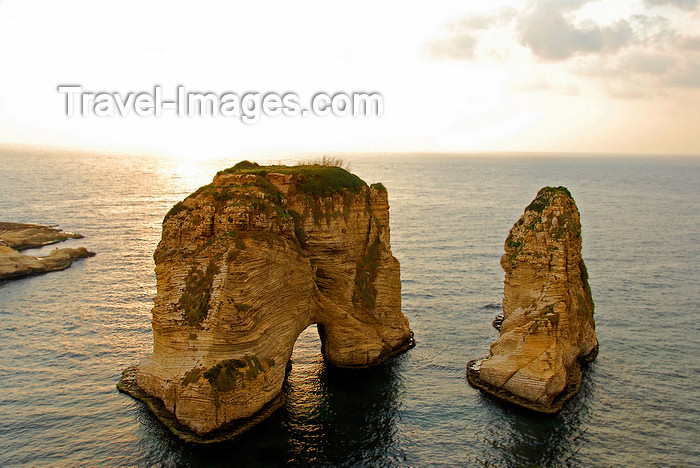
548	324
245	264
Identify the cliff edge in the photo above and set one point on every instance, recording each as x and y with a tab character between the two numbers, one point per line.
547	328
244	265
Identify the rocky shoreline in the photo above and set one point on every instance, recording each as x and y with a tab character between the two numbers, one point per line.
22	236
15	237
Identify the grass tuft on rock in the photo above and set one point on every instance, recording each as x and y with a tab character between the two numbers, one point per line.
328	161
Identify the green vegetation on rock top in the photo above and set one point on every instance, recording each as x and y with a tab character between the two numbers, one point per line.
318	180
544	198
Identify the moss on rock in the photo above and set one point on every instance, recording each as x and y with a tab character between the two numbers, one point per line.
194	302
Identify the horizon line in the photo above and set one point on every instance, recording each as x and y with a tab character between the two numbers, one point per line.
267	153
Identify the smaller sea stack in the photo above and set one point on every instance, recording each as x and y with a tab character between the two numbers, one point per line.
548	329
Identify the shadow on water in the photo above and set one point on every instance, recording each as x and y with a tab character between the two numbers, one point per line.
333	417
518	437
344	417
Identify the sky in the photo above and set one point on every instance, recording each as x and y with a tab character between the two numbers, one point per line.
607	76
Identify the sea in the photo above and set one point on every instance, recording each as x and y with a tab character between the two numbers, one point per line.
65	337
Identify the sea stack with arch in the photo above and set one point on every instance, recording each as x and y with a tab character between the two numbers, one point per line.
244	265
547	328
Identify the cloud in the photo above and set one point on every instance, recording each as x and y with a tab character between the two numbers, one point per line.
542	84
640	56
564	5
475	23
552	37
690	43
653	30
459	46
688	5
685	76
642	73
645	62
481	22
629	91
462	36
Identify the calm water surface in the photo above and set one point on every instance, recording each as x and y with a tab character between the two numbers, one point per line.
65	337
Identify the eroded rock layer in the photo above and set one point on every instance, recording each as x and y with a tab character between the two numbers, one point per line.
245	264
548	326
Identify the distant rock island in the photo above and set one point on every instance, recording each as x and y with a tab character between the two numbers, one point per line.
17	236
547	327
244	265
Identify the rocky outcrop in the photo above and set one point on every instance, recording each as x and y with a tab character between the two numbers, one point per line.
22	236
547	329
15	265
244	265
17	236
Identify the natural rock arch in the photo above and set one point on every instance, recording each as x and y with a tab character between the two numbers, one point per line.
244	266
